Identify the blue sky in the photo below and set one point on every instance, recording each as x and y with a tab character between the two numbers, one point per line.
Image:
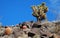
17	11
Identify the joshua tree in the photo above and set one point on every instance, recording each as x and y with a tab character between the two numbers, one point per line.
40	11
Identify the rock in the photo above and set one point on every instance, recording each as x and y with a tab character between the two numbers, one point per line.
19	37
17	32
56	36
30	34
2	31
37	30
24	27
8	30
36	36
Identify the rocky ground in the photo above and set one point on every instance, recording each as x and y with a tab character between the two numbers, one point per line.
32	30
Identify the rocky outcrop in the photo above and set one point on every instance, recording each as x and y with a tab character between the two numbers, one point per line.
32	30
